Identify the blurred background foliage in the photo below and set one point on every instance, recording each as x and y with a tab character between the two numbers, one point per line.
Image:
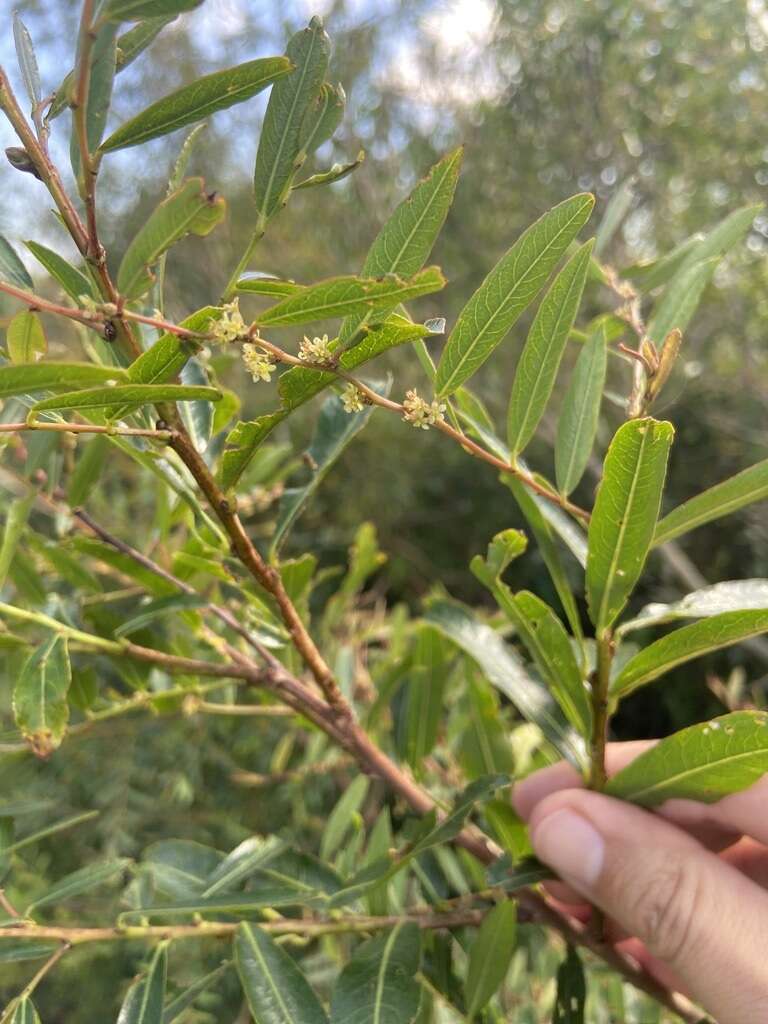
549	97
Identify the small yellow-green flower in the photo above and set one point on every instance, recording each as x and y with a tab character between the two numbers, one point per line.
420	413
318	350
352	399
257	362
230	326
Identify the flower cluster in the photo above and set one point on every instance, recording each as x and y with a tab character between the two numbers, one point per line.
421	413
352	399
318	350
230	326
257	362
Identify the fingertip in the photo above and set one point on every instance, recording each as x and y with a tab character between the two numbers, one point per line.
530	791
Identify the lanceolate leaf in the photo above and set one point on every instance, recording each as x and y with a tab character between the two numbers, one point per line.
680	298
40	696
507	290
90	877
185	999
276	990
540	359
101	77
15	521
743	489
280	141
127	394
135	41
577	425
378	985
343	296
571	996
133	10
197	101
322	117
25	53
505	671
624	517
25	1013
490	956
189	210
91	456
262	284
25	338
405	242
704	762
72	280
143	1003
686	643
12	270
730	596
167	357
340	818
19	380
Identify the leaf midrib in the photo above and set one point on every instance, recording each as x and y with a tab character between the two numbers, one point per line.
385	958
582	408
671	779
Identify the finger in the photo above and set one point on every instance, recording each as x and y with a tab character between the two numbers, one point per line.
529	791
691	909
740	813
751	859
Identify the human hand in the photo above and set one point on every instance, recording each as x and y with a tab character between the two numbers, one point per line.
684	889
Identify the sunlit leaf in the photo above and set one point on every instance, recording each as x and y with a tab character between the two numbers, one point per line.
730	596
577	423
127	394
12	270
322	118
25	52
490	955
72	280
276	990
25	338
133	10
336	172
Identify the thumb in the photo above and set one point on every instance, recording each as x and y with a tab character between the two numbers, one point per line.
692	910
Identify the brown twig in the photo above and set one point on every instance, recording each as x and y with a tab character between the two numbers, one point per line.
86	428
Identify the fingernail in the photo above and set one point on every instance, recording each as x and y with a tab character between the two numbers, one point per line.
571	845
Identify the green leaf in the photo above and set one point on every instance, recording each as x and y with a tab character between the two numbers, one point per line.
577	424
25	1013
615	212
195	102
79	882
101	78
730	596
543	532
424	693
50	830
507	290
704	762
729	232
405	241
243	861
490	956
651	274
12	270
167	357
279	152
180	868
349	803
15	521
30	377
40	696
624	516
185	999
189	210
322	118
143	1003
349	296
504	669
686	643
127	394
197	415
134	10
25	338
134	42
72	280
336	172
161	607
263	284
20	950
25	52
335	430
728	496
91	458
276	990
680	299
571	991
378	985
540	359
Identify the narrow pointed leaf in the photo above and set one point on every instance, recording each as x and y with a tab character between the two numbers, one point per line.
704	762
615	212
51	830
25	1013
571	996
72	280
195	102
25	338
504	669
198	414
91	458
540	359
20	380
143	1003
15	521
185	999
127	394
12	270
577	424
378	985
276	990
625	513
343	296
134	10
340	818
81	881
167	357
189	210
680	299
135	41
20	950
336	172
25	52
728	496
507	290
40	696
404	243
280	141
731	230
101	77
262	284
490	956
322	118
688	642
244	860
730	596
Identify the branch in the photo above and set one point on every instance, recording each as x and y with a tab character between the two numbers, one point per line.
88	170
86	428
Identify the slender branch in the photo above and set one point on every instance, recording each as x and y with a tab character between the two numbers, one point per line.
600	682
31	985
86	428
88	169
